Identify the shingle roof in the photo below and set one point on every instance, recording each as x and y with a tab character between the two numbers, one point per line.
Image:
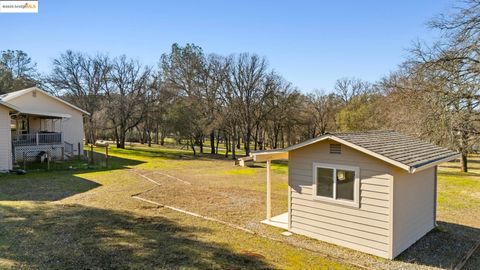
399	147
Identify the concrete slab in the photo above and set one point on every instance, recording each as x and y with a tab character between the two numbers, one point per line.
280	221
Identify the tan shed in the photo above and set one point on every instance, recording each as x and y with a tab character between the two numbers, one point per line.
371	191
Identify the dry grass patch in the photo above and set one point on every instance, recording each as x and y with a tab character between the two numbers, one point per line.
240	198
90	213
86	219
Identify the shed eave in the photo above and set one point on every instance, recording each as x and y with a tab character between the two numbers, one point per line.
349	144
370	153
435	163
283	154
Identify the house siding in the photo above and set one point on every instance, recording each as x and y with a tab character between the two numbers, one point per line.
365	228
5	139
72	128
414	207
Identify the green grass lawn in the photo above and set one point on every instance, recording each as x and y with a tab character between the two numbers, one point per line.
82	216
88	211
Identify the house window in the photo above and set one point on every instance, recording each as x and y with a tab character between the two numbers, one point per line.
336	183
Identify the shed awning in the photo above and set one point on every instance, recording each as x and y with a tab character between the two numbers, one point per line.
262	156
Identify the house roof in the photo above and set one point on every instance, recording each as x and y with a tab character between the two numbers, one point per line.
7	97
10	106
398	149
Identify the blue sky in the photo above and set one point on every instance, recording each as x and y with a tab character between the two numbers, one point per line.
311	43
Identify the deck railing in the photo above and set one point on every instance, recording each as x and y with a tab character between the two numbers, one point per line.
68	148
37	139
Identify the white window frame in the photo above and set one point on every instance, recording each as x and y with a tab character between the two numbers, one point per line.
335	167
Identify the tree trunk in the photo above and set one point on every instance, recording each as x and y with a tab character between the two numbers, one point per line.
121	143
91	131
149	138
464	162
192	145
234	156
248	137
237	137
262	144
256	138
141	133
156	134
212	142
275	138
464	151
227	144
117	137
218	142
162	138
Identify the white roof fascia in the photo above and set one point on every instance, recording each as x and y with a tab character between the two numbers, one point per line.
19	93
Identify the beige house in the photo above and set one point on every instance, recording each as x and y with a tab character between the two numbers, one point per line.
372	191
32	121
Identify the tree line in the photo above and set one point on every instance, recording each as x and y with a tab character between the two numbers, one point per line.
241	102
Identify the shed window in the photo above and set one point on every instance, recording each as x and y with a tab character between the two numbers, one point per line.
336	183
324	182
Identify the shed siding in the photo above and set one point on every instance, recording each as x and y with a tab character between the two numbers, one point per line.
366	228
72	128
5	139
414	206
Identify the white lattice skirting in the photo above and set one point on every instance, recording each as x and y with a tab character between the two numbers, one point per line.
32	152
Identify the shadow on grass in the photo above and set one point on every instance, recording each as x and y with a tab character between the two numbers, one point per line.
57	183
77	237
43	186
443	247
171	153
99	163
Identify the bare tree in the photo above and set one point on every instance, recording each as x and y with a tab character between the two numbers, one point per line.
17	71
322	109
347	88
249	91
449	71
81	79
215	74
127	96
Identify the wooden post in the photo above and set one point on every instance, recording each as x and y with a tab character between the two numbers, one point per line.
63	153
435	199
106	156
79	157
269	191
37	137
24	161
